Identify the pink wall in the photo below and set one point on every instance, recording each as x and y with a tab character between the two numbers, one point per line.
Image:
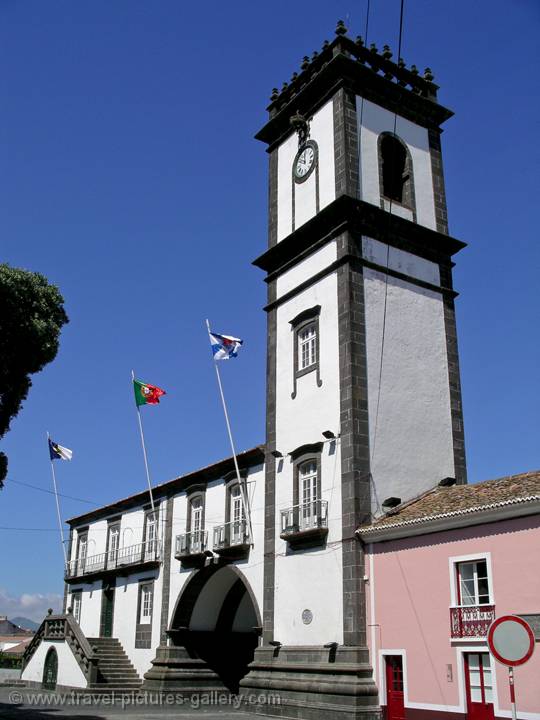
412	589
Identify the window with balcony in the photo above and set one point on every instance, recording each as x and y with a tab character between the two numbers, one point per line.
305	328
113	543
192	545
305	523
232	538
82	551
150	537
473	609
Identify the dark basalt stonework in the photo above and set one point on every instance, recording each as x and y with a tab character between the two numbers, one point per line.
174	669
313	682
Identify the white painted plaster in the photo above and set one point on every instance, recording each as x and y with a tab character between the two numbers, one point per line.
302	271
372	121
413	447
301	421
322	132
404	262
69	672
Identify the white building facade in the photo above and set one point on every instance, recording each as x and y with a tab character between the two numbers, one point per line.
363	410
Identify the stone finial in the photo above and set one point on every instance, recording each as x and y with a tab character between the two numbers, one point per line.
314	56
284	86
401	63
359	41
70	610
373	48
305	63
386	53
274	95
341	28
294	76
414	70
50	611
428	75
325	44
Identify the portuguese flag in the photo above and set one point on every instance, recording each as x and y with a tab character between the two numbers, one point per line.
146	394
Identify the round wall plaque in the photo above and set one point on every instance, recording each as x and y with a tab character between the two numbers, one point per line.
307	617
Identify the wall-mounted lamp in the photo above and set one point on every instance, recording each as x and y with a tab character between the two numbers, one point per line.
331	645
274	643
390	503
447	482
329	435
276	454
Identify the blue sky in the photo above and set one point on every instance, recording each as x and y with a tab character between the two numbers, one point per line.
131	179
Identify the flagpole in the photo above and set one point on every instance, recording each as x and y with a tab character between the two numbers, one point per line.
240	482
57	502
144	454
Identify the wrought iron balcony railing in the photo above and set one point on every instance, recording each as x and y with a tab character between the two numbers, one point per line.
231	534
192	543
116	559
305	525
471	621
304	517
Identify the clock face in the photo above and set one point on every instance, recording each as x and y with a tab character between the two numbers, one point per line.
304	162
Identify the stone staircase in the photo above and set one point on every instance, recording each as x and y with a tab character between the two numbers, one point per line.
114	670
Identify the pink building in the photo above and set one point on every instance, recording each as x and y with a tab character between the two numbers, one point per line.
439	570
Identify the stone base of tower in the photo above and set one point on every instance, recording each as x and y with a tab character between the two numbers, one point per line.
313	683
174	669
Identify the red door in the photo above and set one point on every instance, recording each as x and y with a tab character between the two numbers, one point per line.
395	704
479	686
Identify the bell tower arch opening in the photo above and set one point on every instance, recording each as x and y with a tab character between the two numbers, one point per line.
217	619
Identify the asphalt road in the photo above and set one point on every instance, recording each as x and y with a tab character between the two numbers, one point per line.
18	703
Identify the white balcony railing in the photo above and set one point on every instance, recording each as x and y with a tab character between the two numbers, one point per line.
192	543
114	559
307	516
231	534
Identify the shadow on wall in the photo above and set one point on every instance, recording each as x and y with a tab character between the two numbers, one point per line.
23	711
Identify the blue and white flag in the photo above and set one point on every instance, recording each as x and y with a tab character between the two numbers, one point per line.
57	452
224	347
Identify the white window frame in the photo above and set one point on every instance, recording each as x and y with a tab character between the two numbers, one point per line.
454	561
382	675
114	537
311	343
480	647
76	605
147	591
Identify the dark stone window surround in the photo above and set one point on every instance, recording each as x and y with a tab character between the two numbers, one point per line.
193	492
231	481
147	509
299	323
143	631
409	197
111	523
300	456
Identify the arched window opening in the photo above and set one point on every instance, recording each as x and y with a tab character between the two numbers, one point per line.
395	172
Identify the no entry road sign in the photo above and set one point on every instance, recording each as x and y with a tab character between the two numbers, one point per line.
510	640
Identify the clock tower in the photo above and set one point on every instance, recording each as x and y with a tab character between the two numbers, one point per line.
363	388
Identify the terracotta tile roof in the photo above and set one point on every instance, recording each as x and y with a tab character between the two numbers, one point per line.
17	649
441	502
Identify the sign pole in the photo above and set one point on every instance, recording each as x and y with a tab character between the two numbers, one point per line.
512	692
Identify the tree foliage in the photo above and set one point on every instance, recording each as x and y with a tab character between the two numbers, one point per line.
31	317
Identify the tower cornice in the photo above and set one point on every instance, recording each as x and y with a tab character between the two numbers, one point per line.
366	72
362	218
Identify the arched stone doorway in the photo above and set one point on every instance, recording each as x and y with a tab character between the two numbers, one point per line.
50	670
217	620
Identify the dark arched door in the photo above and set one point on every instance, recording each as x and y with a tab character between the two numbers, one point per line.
50	670
217	620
